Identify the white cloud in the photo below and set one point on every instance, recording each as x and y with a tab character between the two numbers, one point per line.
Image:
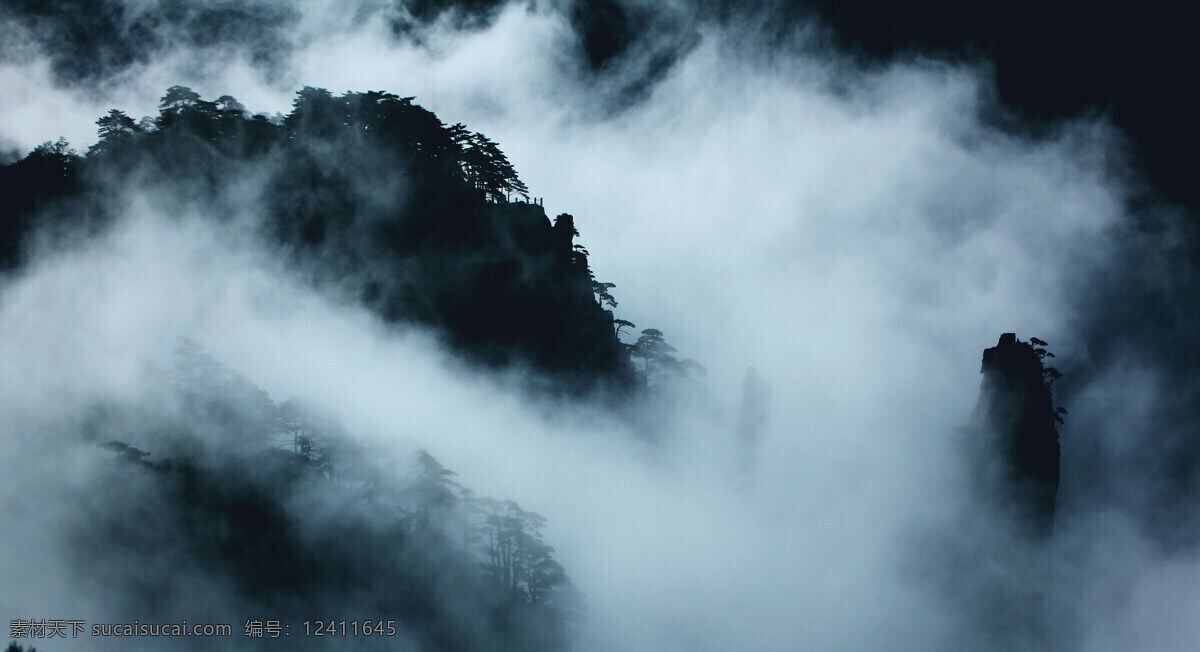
858	247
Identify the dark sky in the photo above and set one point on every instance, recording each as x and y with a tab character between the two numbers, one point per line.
1060	60
1051	61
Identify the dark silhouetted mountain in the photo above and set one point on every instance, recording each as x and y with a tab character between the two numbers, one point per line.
1014	448
367	195
992	564
234	516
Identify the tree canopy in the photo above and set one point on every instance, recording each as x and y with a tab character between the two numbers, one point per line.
365	191
292	532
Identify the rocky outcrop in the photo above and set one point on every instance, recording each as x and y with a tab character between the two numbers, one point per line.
1014	446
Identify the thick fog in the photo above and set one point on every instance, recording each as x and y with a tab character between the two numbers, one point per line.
856	235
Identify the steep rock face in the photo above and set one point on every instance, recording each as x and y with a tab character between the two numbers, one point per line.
1015	447
995	566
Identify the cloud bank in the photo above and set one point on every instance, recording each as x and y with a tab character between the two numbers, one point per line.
858	236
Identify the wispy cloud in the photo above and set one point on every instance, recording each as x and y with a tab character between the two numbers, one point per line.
857	235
